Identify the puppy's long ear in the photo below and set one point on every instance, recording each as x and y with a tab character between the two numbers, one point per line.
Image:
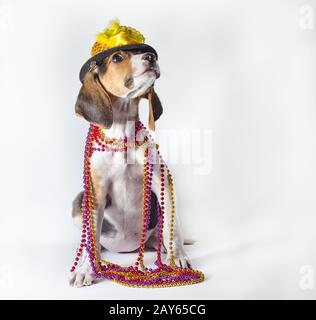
93	102
156	104
155	108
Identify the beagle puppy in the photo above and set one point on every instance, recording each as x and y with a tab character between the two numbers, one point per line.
109	98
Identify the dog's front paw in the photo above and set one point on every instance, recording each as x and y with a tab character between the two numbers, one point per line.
82	276
181	261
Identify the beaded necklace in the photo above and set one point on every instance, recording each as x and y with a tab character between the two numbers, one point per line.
137	275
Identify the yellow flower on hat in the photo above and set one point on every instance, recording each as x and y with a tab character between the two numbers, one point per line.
116	35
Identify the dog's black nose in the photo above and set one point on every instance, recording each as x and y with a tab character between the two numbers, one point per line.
149	57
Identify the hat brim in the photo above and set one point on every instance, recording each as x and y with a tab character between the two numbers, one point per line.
99	58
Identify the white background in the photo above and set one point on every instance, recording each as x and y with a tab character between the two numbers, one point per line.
245	70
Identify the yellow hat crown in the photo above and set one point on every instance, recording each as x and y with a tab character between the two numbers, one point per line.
116	35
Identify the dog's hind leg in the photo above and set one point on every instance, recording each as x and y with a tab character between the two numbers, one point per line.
77	209
152	242
77	213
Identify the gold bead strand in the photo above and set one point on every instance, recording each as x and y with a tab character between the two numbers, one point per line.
171	195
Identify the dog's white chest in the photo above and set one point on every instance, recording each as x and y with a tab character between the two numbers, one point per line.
122	176
110	165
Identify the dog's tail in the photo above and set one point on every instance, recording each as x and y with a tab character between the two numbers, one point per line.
188	242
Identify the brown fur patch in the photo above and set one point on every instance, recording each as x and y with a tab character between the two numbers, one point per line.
114	79
98	187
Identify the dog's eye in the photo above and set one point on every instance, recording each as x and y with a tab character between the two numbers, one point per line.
117	57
